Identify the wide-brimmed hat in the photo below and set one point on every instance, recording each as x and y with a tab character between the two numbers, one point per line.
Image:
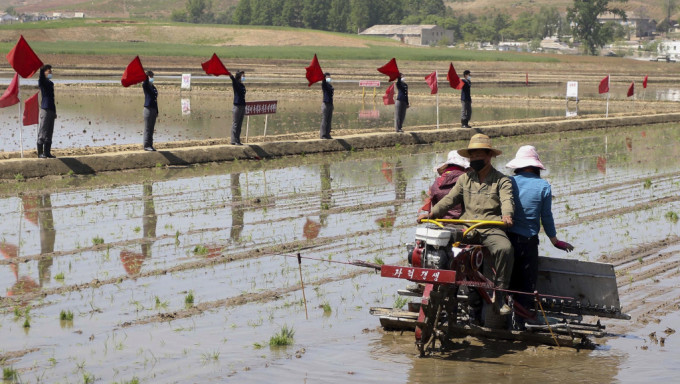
479	141
454	159
526	157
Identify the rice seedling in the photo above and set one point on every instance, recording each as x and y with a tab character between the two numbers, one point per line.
284	337
648	183
19	177
189	298
88	378
210	356
27	322
137	229
326	307
97	240
66	315
200	250
378	260
400	302
59	276
672	216
9	374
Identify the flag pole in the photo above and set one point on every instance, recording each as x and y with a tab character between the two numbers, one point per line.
608	82
436	74
21	114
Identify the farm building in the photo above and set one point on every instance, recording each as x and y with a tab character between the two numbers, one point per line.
411	34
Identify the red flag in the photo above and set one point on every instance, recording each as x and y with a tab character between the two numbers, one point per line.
11	95
388	98
134	73
453	79
314	72
31	110
631	90
390	69
431	80
215	67
644	82
23	59
604	85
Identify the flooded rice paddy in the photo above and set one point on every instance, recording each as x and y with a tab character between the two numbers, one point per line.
185	274
100	114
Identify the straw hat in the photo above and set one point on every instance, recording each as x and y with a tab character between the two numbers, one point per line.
479	141
526	157
454	159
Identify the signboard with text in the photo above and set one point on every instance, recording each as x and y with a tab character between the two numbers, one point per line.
186	81
572	89
369	83
422	275
261	107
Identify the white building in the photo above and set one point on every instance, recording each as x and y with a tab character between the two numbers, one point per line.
411	34
670	49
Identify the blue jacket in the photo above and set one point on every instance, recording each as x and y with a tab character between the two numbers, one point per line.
150	95
403	91
533	205
239	91
465	92
327	91
47	92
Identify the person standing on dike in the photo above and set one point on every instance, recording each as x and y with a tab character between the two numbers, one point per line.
327	107
150	110
239	109
401	104
48	113
465	101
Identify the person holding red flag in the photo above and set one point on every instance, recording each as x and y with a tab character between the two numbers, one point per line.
48	112
239	109
150	110
465	101
401	104
327	107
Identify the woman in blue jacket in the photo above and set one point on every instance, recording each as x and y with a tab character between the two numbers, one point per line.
150	110
48	112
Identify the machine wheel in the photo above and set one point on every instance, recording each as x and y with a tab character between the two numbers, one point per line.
492	319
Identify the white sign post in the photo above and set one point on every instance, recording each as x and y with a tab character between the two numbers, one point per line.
572	95
186	81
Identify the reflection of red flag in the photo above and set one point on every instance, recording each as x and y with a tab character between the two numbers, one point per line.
644	82
134	73
431	80
311	229
11	95
30	203
390	69
215	67
388	98
629	144
604	85
602	164
132	261
386	170
31	110
23	59
631	90
388	220
314	72
452	77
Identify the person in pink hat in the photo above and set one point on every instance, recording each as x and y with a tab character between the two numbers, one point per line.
448	174
533	205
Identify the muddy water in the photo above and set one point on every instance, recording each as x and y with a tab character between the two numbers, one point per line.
122	251
103	115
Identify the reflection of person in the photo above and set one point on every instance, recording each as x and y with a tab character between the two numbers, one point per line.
401	104
236	208
487	195
327	107
239	109
149	219
326	192
465	101
533	207
47	237
448	174
150	110
48	112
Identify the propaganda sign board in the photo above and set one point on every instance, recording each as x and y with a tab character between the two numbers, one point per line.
261	107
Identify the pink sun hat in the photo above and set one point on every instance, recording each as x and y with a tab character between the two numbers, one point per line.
454	159
526	157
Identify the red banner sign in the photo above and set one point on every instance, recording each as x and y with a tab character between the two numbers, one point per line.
369	83
372	114
260	107
421	275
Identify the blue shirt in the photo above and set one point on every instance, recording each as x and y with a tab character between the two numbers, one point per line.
150	95
47	92
465	92
327	91
239	91
402	89
533	205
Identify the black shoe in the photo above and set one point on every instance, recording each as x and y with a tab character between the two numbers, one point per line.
465	124
237	143
150	149
400	131
40	151
48	151
326	138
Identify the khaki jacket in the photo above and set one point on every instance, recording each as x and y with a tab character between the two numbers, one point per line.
489	200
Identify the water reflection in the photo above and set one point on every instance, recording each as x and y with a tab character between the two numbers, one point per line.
394	174
133	261
311	228
237	209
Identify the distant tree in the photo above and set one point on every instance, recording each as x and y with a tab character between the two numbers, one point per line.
11	11
199	11
359	18
587	28
315	14
338	16
179	16
291	13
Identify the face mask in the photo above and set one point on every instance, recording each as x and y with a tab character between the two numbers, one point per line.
49	75
243	79
150	79
477	165
403	79
469	77
328	79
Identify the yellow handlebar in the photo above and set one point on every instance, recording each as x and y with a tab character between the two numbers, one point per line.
475	224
